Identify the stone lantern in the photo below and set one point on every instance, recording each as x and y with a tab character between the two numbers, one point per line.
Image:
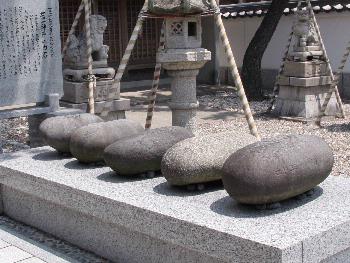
182	58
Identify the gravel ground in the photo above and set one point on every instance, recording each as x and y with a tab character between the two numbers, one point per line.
335	131
14	133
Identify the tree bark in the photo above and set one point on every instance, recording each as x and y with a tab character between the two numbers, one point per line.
251	70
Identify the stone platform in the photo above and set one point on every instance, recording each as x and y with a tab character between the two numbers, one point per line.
135	220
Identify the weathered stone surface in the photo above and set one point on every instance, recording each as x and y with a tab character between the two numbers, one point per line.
95	210
307	109
77	49
179	7
78	92
30	47
58	130
277	169
80	75
88	143
305	82
143	153
200	159
305	69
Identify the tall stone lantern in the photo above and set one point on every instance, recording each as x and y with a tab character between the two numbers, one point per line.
183	57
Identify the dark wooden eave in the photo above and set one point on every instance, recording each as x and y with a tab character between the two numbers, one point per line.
257	9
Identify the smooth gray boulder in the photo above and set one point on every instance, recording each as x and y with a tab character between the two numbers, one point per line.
88	143
143	153
200	159
58	130
277	169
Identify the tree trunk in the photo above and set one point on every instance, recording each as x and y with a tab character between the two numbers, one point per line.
251	70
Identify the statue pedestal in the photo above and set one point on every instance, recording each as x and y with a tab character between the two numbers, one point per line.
303	88
183	66
76	87
304	53
76	92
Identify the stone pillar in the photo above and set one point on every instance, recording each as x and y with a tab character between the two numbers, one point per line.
184	102
182	58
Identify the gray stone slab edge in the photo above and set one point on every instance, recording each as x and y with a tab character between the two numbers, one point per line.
114	242
41	244
341	257
24	112
136	221
157	226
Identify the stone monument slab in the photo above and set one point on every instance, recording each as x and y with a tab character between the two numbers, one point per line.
128	220
30	51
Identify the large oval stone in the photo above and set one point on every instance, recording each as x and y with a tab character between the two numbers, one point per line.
277	169
58	130
88	143
200	159
143	153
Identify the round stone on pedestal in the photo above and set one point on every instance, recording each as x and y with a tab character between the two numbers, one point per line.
88	143
277	169
143	153
58	130
200	159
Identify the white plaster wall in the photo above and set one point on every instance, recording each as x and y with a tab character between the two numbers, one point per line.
335	28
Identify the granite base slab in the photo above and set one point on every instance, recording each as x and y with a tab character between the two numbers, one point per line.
308	110
78	92
117	111
304	102
304	69
138	220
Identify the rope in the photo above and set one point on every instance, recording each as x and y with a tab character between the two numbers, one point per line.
91	77
125	60
329	68
334	84
276	87
235	73
73	28
155	85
